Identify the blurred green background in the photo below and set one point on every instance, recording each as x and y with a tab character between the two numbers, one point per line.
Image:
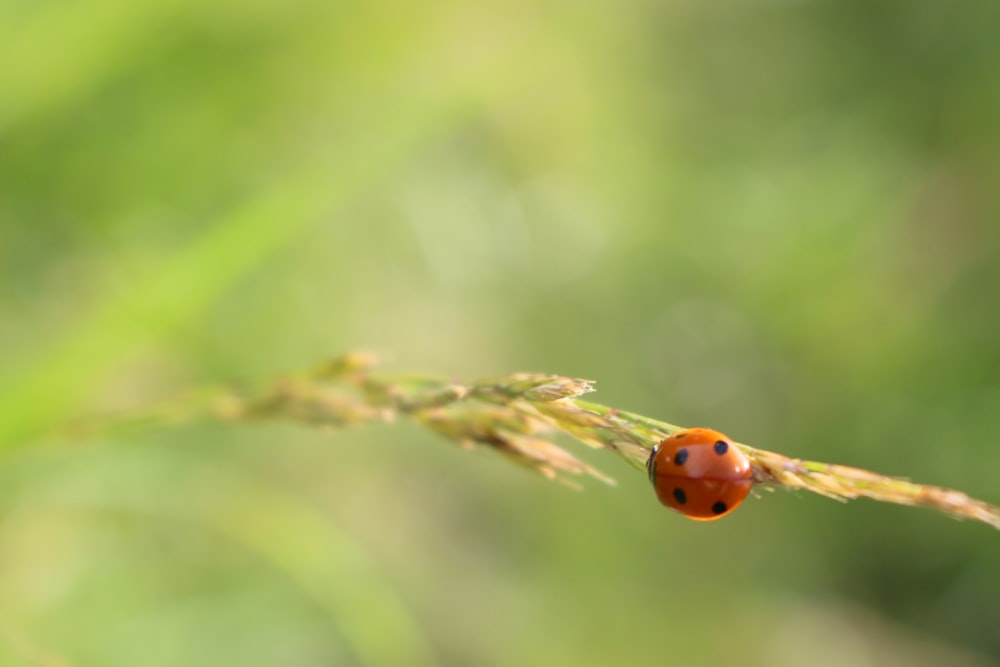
779	219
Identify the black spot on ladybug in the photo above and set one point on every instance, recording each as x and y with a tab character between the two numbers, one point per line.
680	496
719	507
681	456
721	447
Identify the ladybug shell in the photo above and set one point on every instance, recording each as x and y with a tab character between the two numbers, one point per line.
700	473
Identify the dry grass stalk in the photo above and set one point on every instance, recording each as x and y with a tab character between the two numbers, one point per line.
518	415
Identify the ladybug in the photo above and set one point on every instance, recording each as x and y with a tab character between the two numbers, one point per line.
700	473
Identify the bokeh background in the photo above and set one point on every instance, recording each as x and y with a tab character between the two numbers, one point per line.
779	219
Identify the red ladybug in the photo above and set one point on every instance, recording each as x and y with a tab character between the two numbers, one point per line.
700	473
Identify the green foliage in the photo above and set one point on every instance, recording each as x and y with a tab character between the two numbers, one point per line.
778	220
